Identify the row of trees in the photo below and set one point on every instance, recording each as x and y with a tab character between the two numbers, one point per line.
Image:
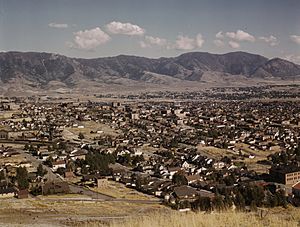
251	196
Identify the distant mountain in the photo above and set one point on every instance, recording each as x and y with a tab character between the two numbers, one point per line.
47	71
277	67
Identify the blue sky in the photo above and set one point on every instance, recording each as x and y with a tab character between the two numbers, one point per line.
151	28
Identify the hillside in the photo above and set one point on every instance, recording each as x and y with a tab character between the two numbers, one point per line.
46	71
217	219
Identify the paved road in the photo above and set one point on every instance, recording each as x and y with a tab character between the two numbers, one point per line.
84	191
85	199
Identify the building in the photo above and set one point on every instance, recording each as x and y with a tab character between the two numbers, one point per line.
185	192
7	192
288	175
4	132
102	182
22	194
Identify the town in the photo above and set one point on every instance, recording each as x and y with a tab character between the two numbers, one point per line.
194	153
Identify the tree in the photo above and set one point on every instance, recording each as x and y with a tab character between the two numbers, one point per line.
80	136
228	201
218	203
179	179
2	175
61	171
202	203
41	171
22	178
253	206
239	201
70	166
49	161
99	162
281	198
26	147
137	159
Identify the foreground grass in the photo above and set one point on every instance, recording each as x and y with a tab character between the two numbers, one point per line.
177	219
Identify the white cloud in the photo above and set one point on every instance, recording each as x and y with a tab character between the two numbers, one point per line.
295	38
220	35
57	25
186	43
155	40
293	58
151	41
271	40
89	39
115	27
240	35
234	45
219	43
199	40
144	45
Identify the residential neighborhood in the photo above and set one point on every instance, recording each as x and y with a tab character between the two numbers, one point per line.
189	154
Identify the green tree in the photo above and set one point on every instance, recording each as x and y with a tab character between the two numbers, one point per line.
41	171
80	136
179	179
61	171
202	203
22	178
49	161
218	203
281	198
26	147
2	175
239	201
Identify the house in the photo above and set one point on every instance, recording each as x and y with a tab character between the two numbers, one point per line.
205	193
193	178
58	164
22	193
4	132
102	182
78	154
7	192
173	170
185	192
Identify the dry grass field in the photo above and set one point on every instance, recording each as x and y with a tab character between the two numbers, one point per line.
251	163
73	132
275	218
63	211
120	191
57	211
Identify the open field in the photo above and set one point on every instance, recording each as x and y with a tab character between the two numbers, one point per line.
53	211
120	191
16	159
73	132
58	211
251	163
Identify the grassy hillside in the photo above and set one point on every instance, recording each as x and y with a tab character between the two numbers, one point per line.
277	217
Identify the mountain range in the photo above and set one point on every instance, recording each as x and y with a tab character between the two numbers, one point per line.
47	71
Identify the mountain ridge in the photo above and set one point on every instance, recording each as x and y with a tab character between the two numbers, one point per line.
40	69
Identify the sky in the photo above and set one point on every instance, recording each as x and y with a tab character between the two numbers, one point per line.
151	28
